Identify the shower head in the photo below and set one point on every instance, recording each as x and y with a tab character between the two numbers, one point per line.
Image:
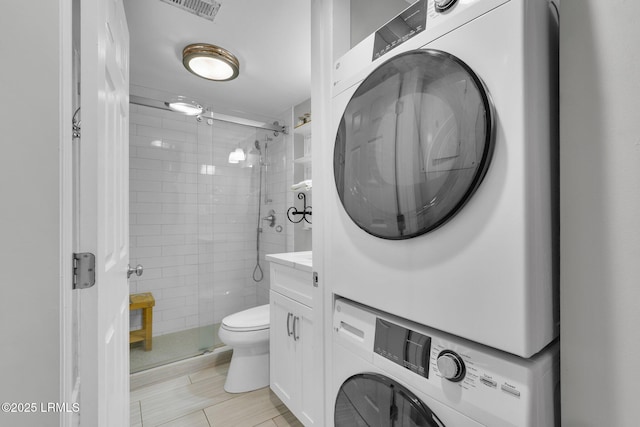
257	144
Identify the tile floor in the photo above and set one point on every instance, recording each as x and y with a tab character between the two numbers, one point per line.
197	399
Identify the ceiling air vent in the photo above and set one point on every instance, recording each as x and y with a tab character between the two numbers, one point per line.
204	8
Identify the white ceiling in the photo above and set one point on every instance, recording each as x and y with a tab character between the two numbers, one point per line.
270	38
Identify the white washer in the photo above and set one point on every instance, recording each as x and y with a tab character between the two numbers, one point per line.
442	207
385	368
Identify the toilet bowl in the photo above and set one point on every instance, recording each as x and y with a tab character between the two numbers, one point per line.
247	333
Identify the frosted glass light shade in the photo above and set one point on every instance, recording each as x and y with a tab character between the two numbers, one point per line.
185	106
210	62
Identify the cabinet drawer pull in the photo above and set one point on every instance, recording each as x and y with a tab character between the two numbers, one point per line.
296	337
289	315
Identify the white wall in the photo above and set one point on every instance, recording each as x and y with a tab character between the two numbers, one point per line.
30	187
600	212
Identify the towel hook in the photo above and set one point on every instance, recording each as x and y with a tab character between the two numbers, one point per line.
293	211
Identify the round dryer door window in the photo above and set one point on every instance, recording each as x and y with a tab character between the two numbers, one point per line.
375	400
413	145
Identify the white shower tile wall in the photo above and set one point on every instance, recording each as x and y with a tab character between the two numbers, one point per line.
273	239
193	218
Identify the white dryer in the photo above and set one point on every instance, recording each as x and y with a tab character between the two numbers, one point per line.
442	203
387	371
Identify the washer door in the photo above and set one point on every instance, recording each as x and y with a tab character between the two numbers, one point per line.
373	400
413	144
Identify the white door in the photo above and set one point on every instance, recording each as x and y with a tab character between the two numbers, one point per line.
104	213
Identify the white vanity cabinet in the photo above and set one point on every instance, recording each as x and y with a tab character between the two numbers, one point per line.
291	355
295	353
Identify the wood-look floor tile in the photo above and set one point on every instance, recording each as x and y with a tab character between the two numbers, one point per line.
134	414
195	419
207	373
287	420
179	401
159	388
246	410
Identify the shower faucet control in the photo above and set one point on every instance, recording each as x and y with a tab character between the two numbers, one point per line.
271	218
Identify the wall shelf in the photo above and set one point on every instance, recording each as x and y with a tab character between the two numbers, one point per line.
301	165
302	160
303	129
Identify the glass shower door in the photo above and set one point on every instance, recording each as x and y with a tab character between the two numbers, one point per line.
171	233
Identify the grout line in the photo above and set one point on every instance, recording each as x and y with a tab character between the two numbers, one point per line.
142	423
207	418
140	411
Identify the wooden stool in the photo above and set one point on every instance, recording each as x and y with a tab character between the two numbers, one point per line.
144	302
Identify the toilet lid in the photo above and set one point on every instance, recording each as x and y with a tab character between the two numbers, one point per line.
253	319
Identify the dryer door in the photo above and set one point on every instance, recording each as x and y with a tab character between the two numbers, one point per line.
373	400
413	144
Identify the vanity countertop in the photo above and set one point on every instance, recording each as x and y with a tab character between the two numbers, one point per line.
298	260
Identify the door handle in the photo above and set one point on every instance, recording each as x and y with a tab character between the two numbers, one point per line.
289	315
296	337
138	270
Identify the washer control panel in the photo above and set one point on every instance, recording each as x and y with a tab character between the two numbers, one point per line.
400	29
403	346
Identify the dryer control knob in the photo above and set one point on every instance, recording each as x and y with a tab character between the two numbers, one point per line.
451	366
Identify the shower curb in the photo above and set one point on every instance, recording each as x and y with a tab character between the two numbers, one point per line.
218	356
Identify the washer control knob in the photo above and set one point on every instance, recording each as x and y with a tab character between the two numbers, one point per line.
451	366
442	5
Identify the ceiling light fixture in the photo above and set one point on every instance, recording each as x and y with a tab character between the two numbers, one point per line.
184	105
237	156
210	62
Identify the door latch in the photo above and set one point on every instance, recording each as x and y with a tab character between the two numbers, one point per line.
138	271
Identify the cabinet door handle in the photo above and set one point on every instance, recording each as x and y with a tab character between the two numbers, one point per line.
296	337
289	315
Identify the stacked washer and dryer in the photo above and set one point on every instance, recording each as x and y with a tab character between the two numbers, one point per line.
442	255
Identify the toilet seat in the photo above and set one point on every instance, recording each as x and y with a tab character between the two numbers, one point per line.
253	319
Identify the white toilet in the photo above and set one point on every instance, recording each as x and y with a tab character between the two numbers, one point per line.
247	332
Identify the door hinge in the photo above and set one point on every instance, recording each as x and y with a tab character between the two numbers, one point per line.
315	279
75	124
84	270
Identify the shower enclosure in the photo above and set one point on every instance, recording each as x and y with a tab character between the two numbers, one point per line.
201	196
